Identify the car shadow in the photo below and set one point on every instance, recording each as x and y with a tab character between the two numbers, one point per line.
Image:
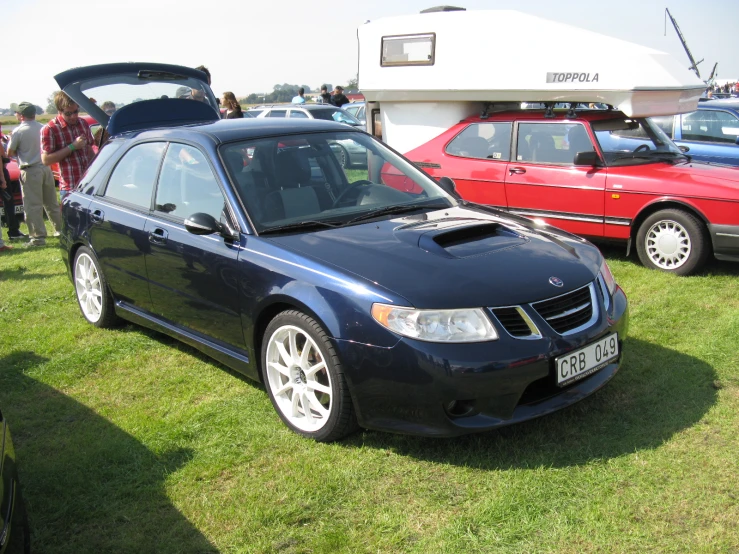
88	485
713	266
641	408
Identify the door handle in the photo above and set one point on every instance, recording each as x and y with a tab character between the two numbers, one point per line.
516	170
97	216
158	236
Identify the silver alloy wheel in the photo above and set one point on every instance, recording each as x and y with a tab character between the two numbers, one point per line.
89	288
299	379
667	244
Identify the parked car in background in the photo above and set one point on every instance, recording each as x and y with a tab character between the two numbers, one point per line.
14	531
711	133
601	175
357	109
346	152
370	298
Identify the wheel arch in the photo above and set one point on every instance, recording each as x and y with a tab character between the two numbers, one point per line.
666	204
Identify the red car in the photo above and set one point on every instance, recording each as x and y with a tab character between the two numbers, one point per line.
15	173
595	173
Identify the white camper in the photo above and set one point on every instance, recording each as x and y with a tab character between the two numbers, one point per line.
422	73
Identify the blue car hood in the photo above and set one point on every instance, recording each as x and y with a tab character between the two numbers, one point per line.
454	258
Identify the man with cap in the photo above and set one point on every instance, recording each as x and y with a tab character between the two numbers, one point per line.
37	182
338	98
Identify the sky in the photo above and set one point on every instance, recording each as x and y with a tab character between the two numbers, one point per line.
252	46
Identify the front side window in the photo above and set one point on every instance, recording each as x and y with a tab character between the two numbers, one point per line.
551	143
491	141
133	178
710	126
297	114
187	184
626	141
306	180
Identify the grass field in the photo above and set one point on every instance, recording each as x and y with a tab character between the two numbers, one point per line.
129	441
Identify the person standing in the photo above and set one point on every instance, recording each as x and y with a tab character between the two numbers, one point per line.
8	194
338	99
300	98
67	140
232	106
37	182
325	96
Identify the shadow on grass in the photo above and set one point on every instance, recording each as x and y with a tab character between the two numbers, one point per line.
657	392
89	486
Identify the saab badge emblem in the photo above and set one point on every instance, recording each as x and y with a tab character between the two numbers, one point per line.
556	281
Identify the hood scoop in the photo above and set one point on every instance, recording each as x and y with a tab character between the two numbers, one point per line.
471	240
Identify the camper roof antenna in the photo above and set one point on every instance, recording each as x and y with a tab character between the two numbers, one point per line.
571	113
549	109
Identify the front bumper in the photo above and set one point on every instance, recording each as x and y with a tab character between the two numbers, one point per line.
408	388
725	239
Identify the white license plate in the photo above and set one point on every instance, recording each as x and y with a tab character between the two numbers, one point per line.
587	360
18	210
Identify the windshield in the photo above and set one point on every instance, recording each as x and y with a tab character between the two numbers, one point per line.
336	114
627	141
325	179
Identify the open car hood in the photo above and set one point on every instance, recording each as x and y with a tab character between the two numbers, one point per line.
146	95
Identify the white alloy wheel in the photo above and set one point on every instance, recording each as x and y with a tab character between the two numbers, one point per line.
668	244
89	288
299	379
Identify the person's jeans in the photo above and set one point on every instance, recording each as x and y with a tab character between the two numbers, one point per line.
39	195
9	205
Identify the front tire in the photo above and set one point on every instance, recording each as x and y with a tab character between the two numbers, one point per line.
674	241
93	295
305	379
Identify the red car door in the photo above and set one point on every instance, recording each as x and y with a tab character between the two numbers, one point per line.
544	183
476	158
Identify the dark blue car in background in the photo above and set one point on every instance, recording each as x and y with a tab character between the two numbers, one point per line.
711	132
369	297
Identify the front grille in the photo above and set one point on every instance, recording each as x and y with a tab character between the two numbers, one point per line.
567	312
512	321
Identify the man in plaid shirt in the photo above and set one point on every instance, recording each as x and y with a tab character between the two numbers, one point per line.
67	140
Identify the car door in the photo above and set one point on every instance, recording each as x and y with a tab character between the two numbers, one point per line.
711	134
118	217
477	159
193	278
543	181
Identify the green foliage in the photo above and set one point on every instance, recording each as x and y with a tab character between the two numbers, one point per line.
130	441
50	107
353	84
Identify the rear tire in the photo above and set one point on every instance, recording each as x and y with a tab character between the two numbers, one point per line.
674	241
91	288
305	380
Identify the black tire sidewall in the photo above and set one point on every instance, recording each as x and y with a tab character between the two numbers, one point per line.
332	430
107	312
699	245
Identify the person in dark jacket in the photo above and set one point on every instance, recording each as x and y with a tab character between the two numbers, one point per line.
325	95
233	108
338	99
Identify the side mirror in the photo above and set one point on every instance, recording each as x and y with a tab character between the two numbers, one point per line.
449	186
685	149
202	224
587	158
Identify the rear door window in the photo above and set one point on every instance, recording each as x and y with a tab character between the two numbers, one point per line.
277	113
132	180
491	141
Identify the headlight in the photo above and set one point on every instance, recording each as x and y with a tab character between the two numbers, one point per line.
466	325
608	279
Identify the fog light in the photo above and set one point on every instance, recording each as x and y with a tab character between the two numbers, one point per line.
459	408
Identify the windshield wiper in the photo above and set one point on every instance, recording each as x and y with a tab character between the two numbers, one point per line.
396	210
302	226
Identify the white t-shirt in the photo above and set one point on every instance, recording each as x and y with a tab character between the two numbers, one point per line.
26	141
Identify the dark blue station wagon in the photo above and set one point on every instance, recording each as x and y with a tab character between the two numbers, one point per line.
366	297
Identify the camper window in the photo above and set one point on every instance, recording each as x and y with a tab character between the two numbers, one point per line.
408	49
